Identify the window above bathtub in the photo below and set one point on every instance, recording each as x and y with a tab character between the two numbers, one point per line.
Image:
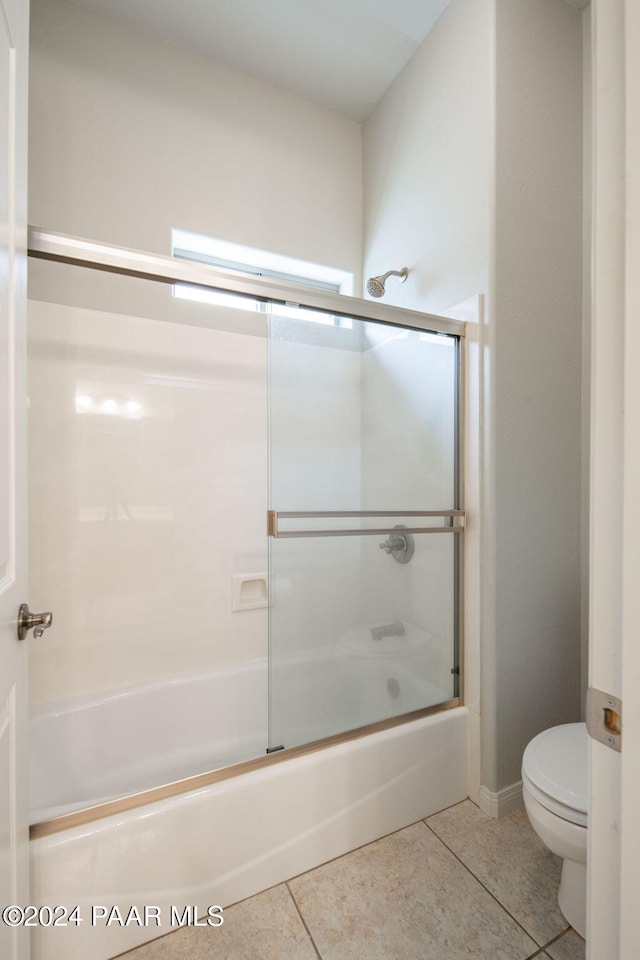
261	263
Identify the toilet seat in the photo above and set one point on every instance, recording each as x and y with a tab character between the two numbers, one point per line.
553	806
554	771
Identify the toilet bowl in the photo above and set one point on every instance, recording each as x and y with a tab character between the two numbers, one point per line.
554	788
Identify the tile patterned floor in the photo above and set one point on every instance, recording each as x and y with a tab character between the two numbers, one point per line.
458	885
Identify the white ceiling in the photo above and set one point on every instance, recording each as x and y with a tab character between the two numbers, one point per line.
340	54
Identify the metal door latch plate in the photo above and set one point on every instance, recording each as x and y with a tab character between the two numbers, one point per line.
604	718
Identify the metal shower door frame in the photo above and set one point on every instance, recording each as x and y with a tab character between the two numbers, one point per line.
81	252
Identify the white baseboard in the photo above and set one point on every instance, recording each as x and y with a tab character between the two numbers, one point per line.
504	801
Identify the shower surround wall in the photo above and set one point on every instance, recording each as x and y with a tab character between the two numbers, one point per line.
315	401
148	485
143	518
407	430
132	516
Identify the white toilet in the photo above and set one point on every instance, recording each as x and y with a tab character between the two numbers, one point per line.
554	787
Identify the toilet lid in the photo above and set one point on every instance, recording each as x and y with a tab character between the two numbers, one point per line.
556	763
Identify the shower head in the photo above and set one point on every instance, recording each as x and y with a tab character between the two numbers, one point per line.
375	285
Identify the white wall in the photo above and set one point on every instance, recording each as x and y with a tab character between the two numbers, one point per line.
427	167
131	136
473	179
428	205
537	360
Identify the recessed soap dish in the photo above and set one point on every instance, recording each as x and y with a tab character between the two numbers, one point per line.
249	591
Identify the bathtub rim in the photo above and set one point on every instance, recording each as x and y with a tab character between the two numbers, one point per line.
133	801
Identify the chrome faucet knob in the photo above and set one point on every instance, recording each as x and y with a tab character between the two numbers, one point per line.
400	546
393	543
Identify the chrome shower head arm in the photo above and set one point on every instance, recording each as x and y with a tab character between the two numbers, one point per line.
403	274
375	285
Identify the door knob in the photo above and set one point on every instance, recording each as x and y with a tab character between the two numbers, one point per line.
26	620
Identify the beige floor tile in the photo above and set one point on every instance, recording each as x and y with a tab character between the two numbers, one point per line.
405	897
568	947
266	926
510	860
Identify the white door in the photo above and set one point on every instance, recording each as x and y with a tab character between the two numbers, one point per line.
13	582
630	785
614	651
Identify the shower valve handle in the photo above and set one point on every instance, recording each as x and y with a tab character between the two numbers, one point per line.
393	543
400	545
26	620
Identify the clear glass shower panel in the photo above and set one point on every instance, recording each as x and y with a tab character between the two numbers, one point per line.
147	496
363	557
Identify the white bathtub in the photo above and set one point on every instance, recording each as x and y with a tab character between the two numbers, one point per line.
88	750
230	839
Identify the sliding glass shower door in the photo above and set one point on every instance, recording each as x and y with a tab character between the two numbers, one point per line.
364	523
155	421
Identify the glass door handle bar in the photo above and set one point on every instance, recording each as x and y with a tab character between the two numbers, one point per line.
456	525
373	531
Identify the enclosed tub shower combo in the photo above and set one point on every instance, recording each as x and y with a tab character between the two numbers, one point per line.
246	514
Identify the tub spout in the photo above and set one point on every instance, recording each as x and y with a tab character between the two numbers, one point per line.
395	629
